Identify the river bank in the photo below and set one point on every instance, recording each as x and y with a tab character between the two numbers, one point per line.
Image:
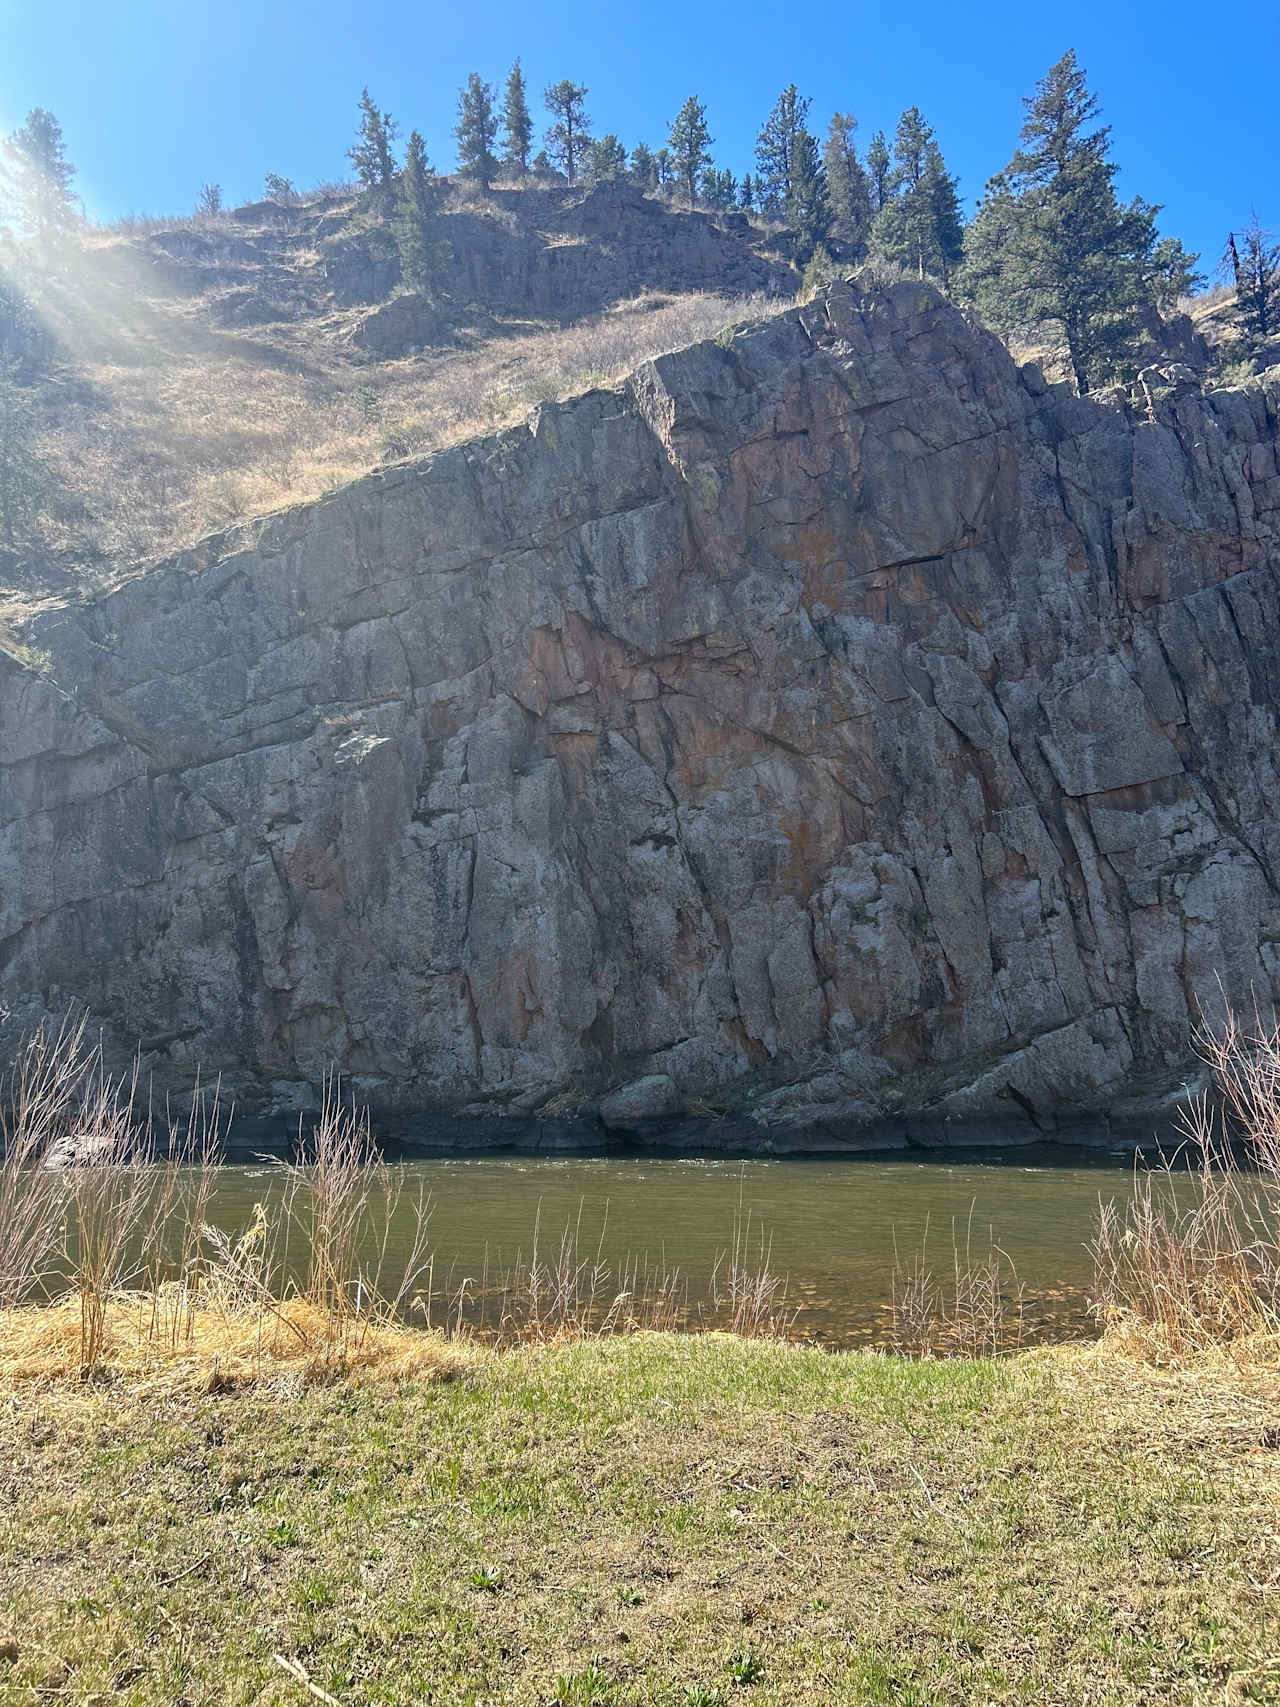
1149	1126
648	1519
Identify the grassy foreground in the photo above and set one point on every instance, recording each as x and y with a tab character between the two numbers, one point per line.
646	1519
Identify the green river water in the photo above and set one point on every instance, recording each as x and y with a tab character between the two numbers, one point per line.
829	1227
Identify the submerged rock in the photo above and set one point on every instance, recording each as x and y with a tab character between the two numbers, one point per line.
836	725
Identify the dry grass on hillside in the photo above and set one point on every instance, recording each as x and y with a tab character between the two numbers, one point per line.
160	428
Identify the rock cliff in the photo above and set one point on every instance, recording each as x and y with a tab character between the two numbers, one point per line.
837	727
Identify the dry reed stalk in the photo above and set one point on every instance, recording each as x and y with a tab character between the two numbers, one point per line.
545	1300
980	1314
109	1187
752	1292
38	1099
173	1240
577	1294
345	1199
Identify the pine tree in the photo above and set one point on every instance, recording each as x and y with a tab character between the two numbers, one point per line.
943	195
848	190
1051	243
775	143
517	125
747	194
372	157
418	196
820	271
1172	272
1255	265
477	131
25	343
879	171
665	167
807	210
568	136
990	239
24	478
719	189
606	160
278	189
690	145
919	225
643	168
910	146
41	174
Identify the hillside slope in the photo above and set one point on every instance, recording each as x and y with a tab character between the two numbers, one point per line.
836	726
193	373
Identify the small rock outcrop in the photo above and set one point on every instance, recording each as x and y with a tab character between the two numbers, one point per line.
561	254
556	254
836	727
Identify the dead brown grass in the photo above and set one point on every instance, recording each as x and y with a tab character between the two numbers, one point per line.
114	1204
170	428
1191	1265
224	1348
970	1306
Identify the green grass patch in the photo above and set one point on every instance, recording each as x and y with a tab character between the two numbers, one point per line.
681	1521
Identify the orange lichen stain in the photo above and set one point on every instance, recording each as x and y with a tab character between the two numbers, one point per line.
913	585
826	583
806	857
903	1046
817	552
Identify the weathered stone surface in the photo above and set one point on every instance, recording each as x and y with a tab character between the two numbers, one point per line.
403	324
655	1097
837	723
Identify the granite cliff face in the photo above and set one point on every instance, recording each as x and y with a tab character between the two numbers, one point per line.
837	727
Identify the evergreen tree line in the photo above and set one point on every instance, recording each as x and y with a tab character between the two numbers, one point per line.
1050	242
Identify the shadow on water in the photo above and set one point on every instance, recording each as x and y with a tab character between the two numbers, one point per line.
830	1227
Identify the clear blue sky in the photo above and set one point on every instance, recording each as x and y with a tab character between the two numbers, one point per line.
156	97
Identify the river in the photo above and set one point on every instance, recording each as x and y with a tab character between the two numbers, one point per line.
829	1229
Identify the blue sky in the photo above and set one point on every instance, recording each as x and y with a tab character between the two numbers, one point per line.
158	96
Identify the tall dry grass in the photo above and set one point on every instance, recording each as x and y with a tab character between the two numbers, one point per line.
103	1197
1192	1262
184	430
108	1212
746	1286
108	1188
971	1307
178	1212
343	1199
40	1098
571	1290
